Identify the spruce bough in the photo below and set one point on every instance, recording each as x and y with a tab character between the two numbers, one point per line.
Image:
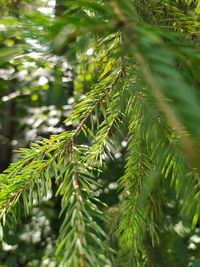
141	93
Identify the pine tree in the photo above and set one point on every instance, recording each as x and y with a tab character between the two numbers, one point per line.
141	88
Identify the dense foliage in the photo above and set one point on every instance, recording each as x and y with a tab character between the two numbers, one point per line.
116	184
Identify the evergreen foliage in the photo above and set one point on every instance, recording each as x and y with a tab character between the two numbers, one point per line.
141	88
